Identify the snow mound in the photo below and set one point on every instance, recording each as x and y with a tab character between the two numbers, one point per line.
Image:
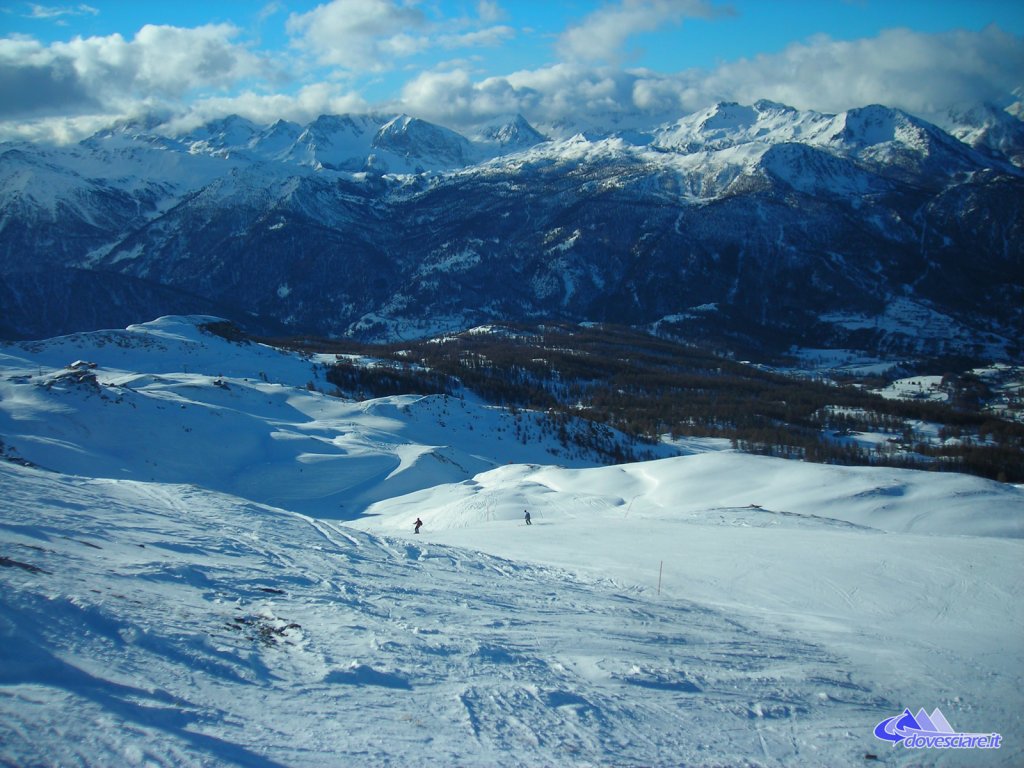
727	487
170	402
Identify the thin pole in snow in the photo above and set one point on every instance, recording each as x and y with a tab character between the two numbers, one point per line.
661	565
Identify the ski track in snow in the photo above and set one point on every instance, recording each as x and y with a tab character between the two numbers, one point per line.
283	640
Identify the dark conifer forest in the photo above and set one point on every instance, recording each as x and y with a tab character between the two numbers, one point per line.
617	391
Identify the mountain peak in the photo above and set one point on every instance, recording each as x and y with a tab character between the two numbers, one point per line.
405	228
728	124
224	133
512	133
896	143
416	139
727	116
875	124
989	127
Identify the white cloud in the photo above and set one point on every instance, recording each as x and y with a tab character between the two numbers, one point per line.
262	108
75	85
55	130
173	60
602	35
925	74
447	97
359	35
268	10
35	82
372	36
480	38
562	93
206	72
302	107
490	12
38	11
160	62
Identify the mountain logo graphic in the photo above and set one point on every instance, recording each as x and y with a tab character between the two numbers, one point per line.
931	731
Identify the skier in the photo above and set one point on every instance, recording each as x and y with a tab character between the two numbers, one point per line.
526	515
417	525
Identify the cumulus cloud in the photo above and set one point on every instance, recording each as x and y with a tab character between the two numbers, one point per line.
206	72
34	83
925	74
451	97
372	36
304	106
602	35
59	89
561	94
109	73
360	35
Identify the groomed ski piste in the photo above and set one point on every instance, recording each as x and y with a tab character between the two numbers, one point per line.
208	562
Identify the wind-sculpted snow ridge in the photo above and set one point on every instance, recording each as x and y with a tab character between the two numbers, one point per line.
160	624
170	402
773	493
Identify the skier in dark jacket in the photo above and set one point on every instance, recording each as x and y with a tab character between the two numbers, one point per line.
417	525
526	515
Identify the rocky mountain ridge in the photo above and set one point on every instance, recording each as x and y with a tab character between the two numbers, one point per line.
752	227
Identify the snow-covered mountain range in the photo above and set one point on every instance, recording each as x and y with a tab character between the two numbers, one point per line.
755	226
205	561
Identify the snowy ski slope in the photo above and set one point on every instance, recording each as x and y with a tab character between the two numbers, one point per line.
208	563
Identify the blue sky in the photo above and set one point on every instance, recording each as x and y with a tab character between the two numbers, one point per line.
68	68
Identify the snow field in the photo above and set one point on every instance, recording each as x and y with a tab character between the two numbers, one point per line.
172	626
246	424
901	573
213	565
